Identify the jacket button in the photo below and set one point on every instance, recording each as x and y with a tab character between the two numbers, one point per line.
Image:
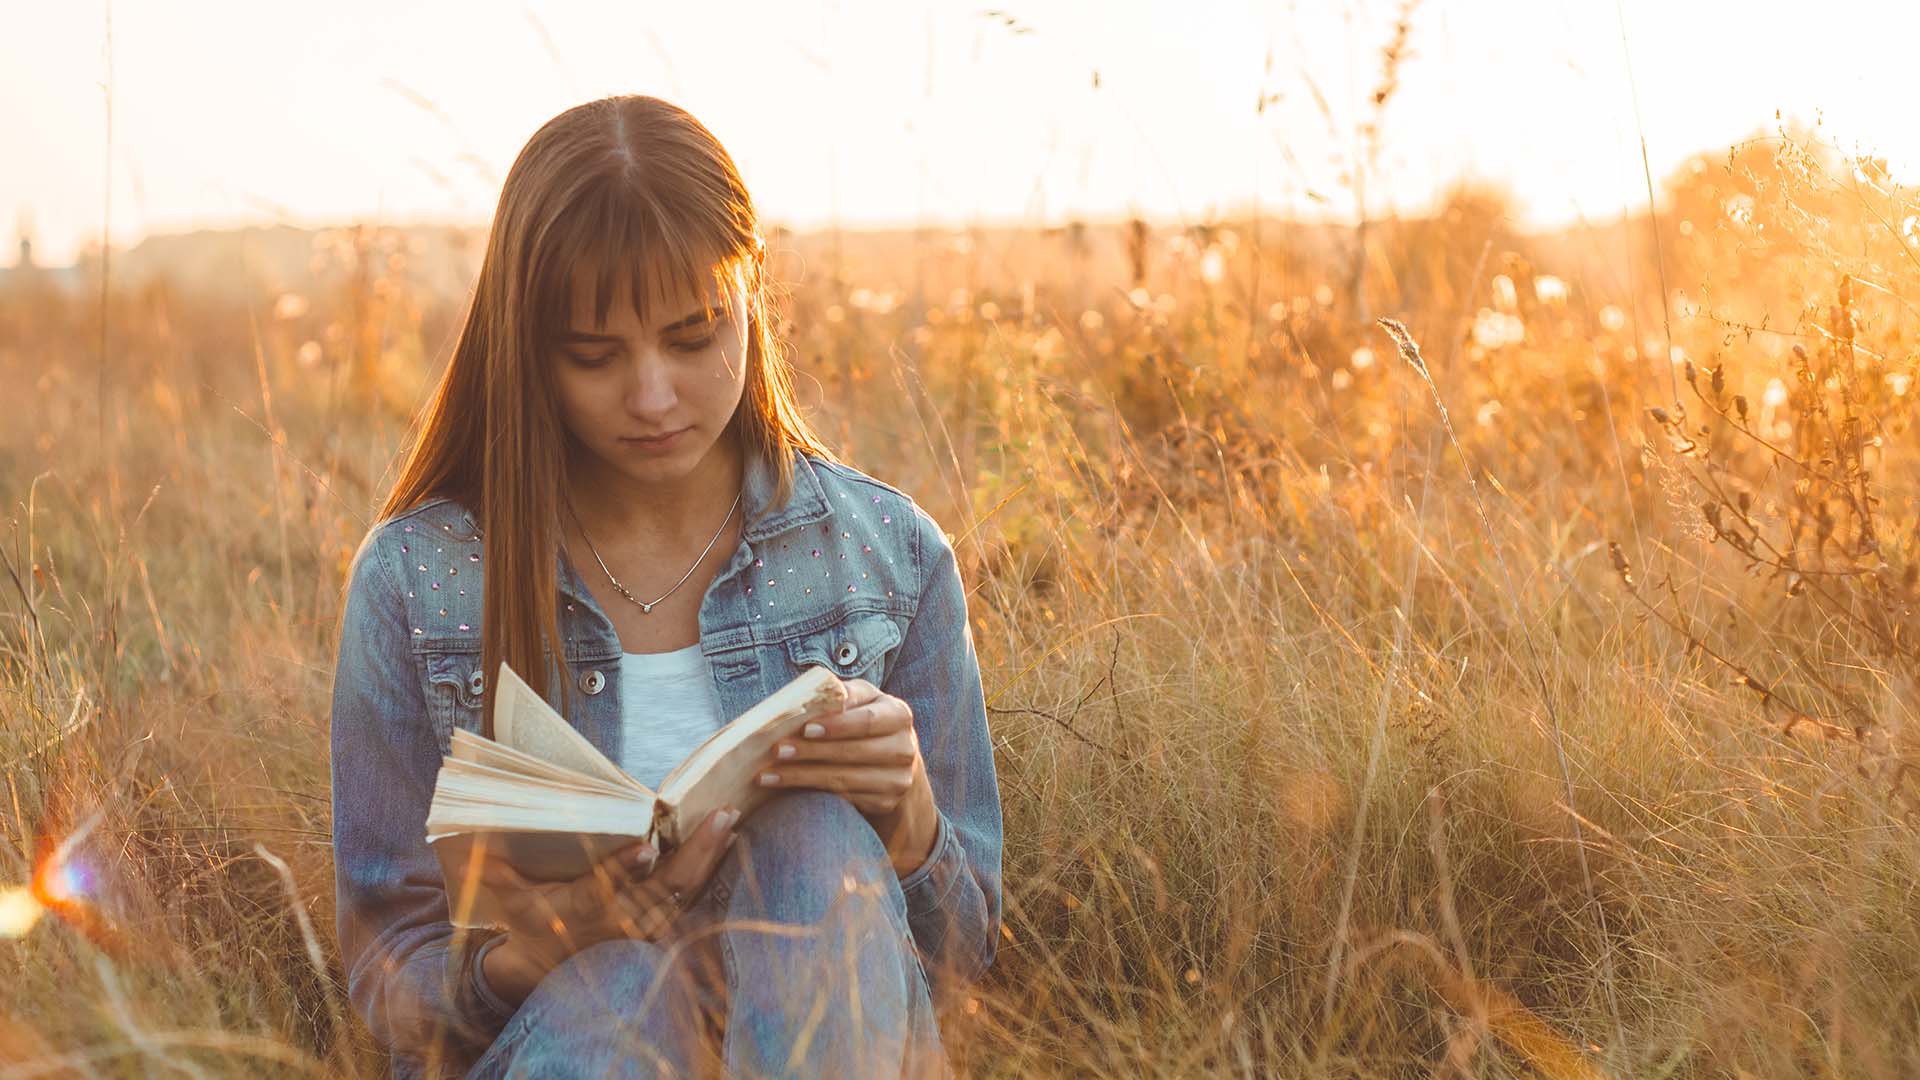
846	653
476	682
593	682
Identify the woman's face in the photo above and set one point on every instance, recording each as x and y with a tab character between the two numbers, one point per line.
651	397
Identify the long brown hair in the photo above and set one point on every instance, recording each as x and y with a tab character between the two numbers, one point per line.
628	184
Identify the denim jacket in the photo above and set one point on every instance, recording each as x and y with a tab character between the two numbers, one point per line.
849	573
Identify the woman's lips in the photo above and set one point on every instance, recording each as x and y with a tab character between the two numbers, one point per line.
653	444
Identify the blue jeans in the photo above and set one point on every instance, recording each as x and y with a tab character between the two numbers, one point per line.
799	942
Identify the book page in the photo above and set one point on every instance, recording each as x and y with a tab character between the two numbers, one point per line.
481	804
478	750
524	721
533	788
721	771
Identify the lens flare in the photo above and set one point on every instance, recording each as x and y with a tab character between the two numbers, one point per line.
64	884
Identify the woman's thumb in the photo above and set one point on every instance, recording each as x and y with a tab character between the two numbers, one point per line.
637	860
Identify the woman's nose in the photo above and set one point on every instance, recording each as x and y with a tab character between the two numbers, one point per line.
650	390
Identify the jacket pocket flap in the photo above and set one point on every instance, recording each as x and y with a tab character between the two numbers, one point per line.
460	670
850	647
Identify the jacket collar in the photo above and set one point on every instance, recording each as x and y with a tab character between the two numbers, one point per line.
806	504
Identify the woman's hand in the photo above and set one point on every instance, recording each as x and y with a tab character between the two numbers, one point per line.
868	754
623	896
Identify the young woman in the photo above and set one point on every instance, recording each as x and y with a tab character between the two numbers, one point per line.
613	491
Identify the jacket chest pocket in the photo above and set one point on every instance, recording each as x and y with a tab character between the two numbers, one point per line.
859	646
455	691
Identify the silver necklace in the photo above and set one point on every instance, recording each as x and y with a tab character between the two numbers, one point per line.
646	606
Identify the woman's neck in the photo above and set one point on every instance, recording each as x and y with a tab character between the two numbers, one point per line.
663	515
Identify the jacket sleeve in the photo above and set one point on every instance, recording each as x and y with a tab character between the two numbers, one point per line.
953	899
410	974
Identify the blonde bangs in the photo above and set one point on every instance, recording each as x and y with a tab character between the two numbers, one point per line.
624	232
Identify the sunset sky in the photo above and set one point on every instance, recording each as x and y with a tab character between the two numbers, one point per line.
883	112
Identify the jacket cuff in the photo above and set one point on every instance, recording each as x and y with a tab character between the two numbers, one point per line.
487	1007
926	885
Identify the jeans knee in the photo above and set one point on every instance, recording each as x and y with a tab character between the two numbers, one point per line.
618	975
619	1007
807	847
815	821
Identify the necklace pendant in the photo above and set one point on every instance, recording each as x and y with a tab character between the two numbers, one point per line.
646	609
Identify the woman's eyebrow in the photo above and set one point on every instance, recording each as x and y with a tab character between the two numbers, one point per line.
706	314
703	315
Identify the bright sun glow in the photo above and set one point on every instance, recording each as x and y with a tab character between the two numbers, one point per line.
1051	112
19	911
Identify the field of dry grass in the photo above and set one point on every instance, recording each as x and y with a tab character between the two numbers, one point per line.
1536	699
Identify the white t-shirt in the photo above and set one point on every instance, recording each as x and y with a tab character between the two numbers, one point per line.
667	707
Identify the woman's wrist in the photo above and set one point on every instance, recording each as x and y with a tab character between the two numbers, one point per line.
917	854
915	829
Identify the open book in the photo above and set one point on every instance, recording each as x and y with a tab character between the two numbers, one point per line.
544	798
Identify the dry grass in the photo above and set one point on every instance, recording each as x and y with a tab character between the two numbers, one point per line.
1317	759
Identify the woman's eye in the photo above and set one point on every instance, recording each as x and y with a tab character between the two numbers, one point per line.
693	345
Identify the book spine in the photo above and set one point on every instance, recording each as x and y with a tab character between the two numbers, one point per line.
660	831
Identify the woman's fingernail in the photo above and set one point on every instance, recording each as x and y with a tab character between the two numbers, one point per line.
733	818
642	858
768	779
814	731
785	751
